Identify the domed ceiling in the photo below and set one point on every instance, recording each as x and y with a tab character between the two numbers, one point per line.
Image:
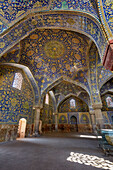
51	54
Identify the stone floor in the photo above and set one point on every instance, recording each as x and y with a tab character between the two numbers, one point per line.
54	152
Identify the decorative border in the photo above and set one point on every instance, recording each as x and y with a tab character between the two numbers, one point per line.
78	22
105	24
49	7
93	57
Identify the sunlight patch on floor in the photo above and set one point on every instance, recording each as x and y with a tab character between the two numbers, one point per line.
90	136
90	160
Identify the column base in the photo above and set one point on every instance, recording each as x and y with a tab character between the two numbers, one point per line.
36	134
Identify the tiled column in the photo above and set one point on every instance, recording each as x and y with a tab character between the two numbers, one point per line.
93	79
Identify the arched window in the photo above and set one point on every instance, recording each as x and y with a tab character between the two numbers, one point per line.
47	99
72	104
17	83
109	101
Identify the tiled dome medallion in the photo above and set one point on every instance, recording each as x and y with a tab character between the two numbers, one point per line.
54	49
57	44
54	52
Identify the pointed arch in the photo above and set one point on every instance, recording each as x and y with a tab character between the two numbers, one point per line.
75	21
58	81
68	96
106	79
31	80
54	101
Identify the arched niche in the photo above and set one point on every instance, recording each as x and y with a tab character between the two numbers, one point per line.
65	106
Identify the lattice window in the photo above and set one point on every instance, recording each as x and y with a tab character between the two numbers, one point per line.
72	104
17	83
109	101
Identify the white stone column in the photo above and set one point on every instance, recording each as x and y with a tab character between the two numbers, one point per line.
56	121
36	121
99	117
93	120
98	114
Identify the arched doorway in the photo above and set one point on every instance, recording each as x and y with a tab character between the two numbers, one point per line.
22	127
73	122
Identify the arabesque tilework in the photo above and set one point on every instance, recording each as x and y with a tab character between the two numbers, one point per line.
14	103
80	106
93	56
13	10
78	22
83	5
51	54
108	12
103	75
107	86
12	56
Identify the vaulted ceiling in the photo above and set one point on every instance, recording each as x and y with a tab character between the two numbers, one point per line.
53	39
14	10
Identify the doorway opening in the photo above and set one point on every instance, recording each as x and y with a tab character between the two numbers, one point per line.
22	127
73	122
